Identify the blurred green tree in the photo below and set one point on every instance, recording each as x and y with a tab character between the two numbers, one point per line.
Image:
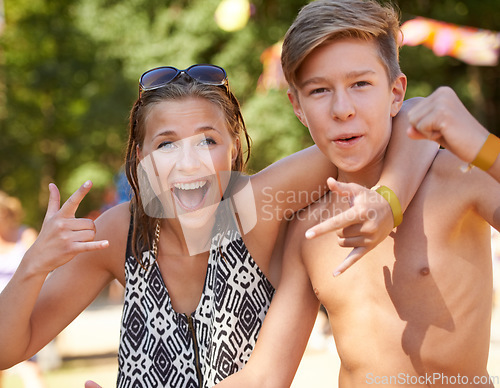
69	70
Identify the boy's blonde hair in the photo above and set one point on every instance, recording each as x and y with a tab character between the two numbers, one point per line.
327	20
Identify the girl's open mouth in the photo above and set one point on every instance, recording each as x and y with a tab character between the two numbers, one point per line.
191	195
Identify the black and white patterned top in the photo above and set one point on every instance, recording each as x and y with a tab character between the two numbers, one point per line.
162	348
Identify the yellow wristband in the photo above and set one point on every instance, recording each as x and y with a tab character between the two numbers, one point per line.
488	153
394	203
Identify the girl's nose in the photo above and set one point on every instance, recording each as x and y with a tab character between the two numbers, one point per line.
189	160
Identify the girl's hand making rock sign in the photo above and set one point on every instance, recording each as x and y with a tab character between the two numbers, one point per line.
63	236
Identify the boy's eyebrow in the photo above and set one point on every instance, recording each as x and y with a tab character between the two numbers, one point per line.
358	73
349	75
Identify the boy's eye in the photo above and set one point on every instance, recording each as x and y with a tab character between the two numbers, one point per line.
318	91
360	84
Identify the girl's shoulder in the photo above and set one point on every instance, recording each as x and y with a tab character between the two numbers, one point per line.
113	225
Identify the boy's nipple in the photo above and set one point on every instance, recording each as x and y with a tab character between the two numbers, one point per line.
425	271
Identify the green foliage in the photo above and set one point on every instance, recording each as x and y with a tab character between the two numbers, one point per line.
274	129
69	70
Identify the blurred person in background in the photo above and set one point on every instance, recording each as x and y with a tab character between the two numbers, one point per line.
15	239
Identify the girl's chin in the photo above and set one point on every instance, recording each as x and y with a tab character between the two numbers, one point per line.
199	216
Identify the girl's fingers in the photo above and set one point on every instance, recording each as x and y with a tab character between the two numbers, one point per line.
54	201
70	207
83	235
76	224
91	246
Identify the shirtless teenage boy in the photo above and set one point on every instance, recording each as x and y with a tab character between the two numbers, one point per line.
417	309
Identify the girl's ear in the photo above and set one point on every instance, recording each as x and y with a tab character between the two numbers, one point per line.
236	150
138	152
294	99
398	92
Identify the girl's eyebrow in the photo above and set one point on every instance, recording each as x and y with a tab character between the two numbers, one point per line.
206	129
171	133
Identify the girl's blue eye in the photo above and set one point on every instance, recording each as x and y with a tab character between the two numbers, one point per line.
207	142
166	145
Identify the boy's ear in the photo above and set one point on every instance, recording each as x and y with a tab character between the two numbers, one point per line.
398	92
292	96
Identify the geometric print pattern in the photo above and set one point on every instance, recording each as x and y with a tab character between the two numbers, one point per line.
162	348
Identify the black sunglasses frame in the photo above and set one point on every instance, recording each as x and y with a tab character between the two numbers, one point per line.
190	71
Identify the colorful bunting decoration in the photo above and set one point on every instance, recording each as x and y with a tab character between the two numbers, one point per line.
473	46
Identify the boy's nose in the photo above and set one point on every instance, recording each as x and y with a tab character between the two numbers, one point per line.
342	107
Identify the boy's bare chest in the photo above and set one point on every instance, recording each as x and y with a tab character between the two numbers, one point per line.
419	263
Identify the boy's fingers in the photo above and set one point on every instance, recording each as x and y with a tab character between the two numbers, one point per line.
414	134
353	242
353	257
344	189
54	201
342	220
71	205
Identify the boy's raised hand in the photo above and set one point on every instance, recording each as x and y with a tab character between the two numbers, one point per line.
363	226
63	236
443	118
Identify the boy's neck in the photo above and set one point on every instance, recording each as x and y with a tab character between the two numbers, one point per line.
367	177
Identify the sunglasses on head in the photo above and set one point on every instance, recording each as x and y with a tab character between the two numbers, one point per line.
202	73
